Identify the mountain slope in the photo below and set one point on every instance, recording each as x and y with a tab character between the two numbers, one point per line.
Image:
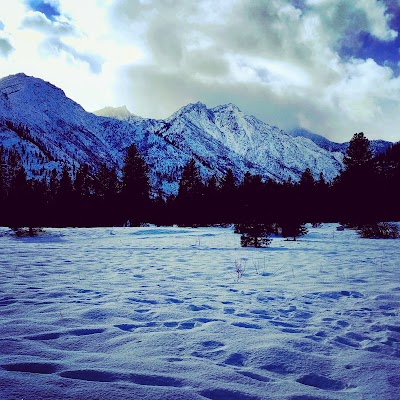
278	154
377	146
49	129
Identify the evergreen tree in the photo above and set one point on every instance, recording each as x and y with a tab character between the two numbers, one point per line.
228	183
13	163
254	234
358	153
54	185
85	207
3	167
293	228
307	180
107	183
64	213
212	202
18	198
190	183
83	184
66	187
229	198
107	189
189	202
356	188
252	199
307	196
135	190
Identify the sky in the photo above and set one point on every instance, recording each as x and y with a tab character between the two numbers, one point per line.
329	66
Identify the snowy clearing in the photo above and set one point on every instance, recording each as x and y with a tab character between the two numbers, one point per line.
159	313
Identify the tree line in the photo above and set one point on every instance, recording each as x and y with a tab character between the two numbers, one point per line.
364	192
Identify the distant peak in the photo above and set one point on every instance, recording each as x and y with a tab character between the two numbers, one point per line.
121	112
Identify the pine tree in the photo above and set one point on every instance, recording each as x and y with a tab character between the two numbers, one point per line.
307	180
293	229
83	184
254	234
107	189
18	198
3	167
64	213
358	153
107	183
228	183
135	187
66	186
189	202
54	185
229	198
356	187
190	183
212	201
306	196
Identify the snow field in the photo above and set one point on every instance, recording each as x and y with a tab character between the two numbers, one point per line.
161	313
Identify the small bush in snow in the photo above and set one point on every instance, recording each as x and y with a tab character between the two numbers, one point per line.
22	231
240	267
379	230
254	235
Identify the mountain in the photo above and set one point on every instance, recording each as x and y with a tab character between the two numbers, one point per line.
377	146
278	154
48	129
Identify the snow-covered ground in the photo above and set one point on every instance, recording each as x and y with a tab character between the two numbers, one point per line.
158	313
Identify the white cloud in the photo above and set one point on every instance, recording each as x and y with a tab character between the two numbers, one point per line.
38	21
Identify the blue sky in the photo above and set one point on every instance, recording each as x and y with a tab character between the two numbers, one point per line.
330	66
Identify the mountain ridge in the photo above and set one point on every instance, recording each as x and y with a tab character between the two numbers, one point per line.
58	130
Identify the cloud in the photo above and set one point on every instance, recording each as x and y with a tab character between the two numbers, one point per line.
280	60
55	47
40	22
5	47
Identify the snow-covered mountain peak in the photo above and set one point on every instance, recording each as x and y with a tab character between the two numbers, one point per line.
21	82
189	111
33	100
226	108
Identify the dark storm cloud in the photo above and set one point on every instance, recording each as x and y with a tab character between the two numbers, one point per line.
284	61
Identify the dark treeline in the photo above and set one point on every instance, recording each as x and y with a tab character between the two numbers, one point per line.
364	192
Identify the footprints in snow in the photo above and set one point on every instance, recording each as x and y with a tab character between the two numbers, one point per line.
32	367
94	375
108	376
73	332
321	382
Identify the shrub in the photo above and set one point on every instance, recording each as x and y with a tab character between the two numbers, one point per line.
22	231
379	230
254	235
293	229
